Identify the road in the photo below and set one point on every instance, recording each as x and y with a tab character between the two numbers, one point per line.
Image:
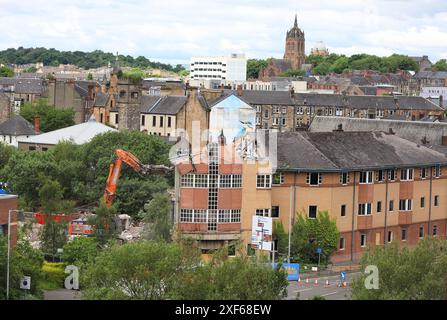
62	294
309	290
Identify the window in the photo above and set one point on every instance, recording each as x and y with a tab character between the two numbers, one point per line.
275	212
391	208
134	95
392	174
263	212
403	234
224	216
365	209
258	108
122	94
313	212
235	216
284	109
278	179
342	244
143	120
435	230
437	172
344	178
186	215
436	202
422	202
201	181
275	109
379	206
275	121
161	121
366	177
154	121
266	114
405	205
263	181
116	118
343	210
32	148
169	122
187	180
314	179
406	174
424	173
390	236
237	181
225	181
421	232
363	240
283	122
380	176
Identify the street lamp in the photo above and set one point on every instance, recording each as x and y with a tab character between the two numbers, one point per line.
10	211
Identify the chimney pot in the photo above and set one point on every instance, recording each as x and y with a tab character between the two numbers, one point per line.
36	123
239	90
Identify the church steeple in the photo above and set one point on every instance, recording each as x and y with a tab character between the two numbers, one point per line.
295	25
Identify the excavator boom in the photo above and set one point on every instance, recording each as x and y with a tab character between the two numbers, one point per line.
115	170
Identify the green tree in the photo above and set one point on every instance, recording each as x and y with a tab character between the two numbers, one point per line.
144	270
440	65
157	215
31	70
254	66
104	223
282	237
309	234
406	274
50	117
322	69
293	73
340	65
53	237
25	261
6	72
89	76
80	251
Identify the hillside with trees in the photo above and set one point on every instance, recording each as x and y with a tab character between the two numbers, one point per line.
86	60
340	63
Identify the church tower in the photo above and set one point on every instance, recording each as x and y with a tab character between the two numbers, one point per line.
295	46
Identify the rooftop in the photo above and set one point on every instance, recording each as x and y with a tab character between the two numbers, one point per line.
17	126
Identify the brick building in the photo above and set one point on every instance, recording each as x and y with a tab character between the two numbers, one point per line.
378	187
8	202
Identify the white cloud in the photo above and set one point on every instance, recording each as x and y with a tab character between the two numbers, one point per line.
176	30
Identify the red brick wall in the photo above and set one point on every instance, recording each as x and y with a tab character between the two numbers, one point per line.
5	205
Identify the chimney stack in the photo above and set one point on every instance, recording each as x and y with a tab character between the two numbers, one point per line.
36	123
292	92
239	90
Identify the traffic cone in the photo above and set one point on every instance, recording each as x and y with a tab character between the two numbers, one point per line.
345	284
327	282
307	281
299	281
316	283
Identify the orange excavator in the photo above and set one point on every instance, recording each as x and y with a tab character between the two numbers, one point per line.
79	226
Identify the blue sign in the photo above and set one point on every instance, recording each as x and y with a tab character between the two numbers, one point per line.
342	275
293	270
319	250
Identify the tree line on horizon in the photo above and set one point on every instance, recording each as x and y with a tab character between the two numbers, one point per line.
341	63
86	60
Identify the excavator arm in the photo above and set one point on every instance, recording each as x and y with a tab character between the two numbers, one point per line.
125	157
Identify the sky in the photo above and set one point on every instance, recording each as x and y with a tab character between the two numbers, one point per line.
173	31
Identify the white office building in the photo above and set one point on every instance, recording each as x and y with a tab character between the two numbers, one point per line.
225	68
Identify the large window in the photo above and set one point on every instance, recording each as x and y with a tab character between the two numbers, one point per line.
437	171
263	181
392	174
275	212
278	178
406	174
379	206
343	210
404	235
436	201
313	212
342	244
421	232
380	176
424	173
344	178
363	240
201	181
365	209
187	180
391	206
366	177
405	205
263	212
186	215
314	179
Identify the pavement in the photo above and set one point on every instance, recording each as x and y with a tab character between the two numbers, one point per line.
309	290
62	294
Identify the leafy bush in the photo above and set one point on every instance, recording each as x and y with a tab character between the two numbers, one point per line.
54	275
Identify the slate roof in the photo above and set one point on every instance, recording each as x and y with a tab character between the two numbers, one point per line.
431	75
25	85
339	151
162	105
101	99
369	90
81	87
254	97
17	126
